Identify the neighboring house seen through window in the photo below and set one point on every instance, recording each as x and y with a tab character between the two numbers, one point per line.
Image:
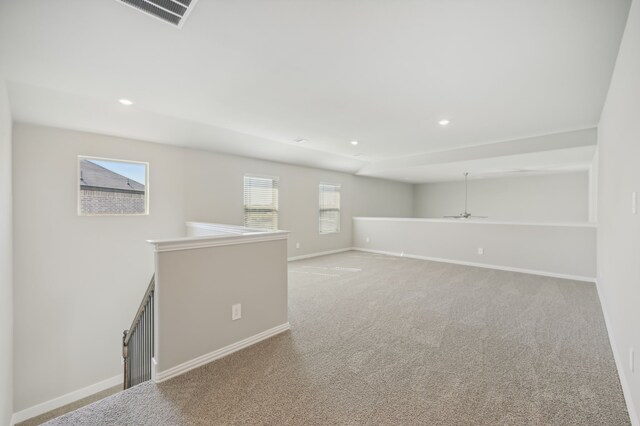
261	202
112	187
329	208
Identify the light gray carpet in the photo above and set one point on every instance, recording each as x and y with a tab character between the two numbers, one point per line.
38	420
385	340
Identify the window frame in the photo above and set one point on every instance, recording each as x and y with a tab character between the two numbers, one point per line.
147	185
320	209
275	179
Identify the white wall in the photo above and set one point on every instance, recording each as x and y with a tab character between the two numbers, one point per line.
382	197
567	251
214	193
6	262
619	229
560	197
593	188
198	286
78	280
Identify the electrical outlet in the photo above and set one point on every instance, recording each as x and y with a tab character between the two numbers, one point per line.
297	245
480	250
367	239
236	312
634	203
632	363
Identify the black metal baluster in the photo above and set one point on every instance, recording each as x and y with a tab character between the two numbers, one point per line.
138	345
140	354
142	341
136	355
141	348
148	338
144	344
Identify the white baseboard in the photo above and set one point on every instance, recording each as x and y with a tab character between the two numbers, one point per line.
63	400
161	376
480	265
322	253
626	391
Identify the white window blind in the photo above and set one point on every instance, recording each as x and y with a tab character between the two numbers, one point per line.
329	208
261	202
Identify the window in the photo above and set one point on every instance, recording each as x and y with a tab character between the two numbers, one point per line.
329	208
112	187
261	202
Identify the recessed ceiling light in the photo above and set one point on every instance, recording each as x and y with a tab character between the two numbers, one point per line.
300	141
444	122
354	143
126	102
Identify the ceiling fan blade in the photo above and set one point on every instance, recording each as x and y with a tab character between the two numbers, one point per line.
466	214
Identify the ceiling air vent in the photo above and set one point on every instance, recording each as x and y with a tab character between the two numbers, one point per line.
174	12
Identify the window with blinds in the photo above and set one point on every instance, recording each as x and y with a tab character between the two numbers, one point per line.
329	208
261	202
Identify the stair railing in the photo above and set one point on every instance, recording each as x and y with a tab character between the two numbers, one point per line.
137	341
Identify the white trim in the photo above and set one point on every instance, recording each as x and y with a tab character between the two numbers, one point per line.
481	265
322	253
190	243
187	13
626	390
63	400
339	185
114	160
182	20
481	222
172	372
154	366
219	227
262	176
340	215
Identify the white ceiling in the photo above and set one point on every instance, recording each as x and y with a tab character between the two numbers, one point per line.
544	162
557	152
250	76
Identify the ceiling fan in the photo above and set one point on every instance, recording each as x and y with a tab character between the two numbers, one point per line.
465	214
